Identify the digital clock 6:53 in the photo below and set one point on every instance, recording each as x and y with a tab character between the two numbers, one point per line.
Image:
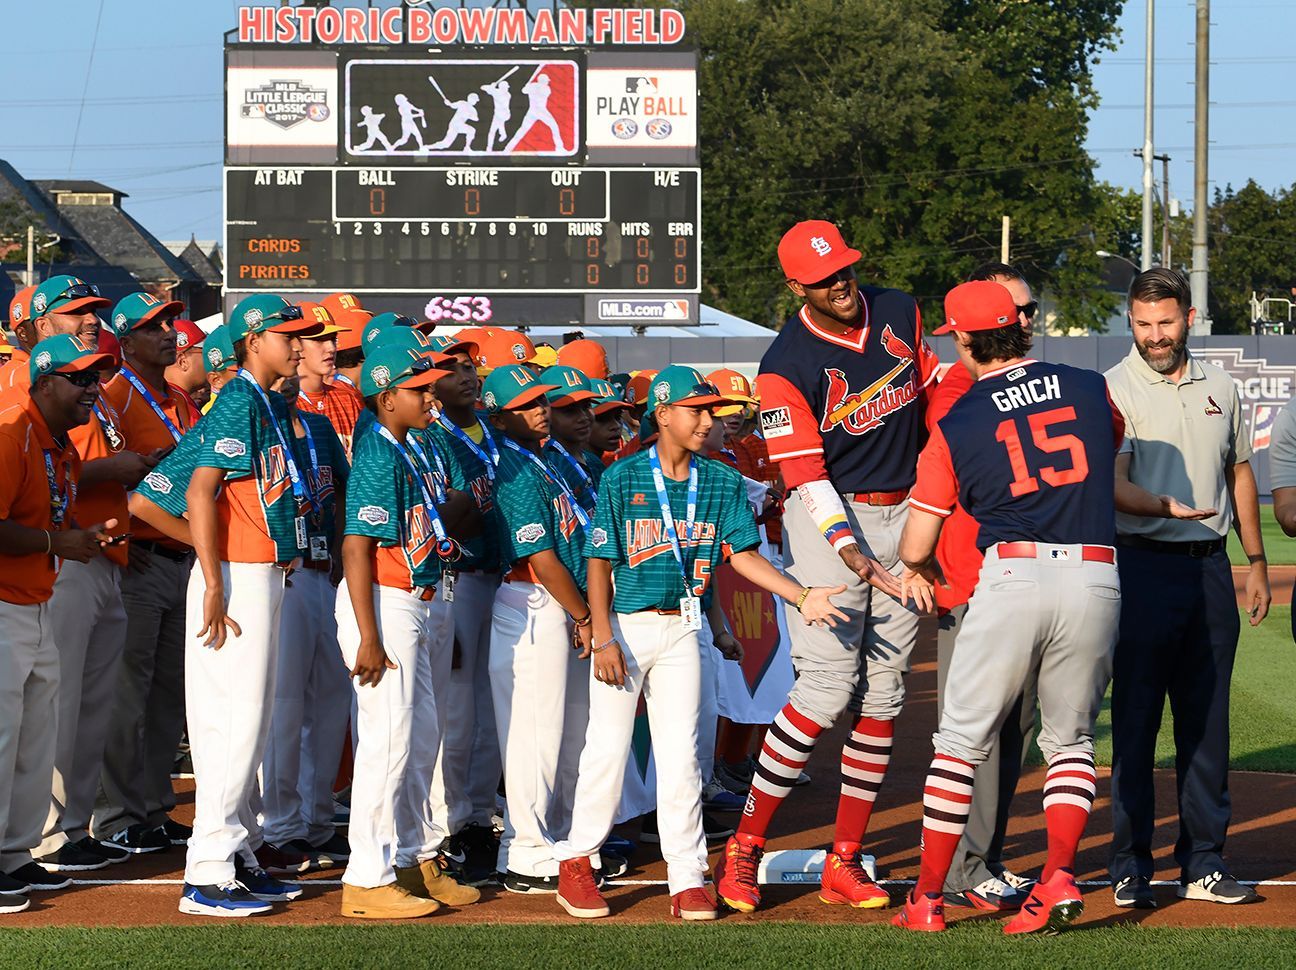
459	309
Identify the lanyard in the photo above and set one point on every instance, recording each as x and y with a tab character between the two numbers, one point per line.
447	548
579	468
313	455
110	431
142	391
301	493
438	474
343	379
581	515
59	499
489	460
668	520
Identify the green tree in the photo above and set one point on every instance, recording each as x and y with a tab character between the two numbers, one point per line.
1252	242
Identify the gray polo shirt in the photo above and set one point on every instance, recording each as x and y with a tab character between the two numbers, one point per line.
1182	438
1282	448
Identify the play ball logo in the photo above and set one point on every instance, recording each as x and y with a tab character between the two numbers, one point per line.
43	361
286	103
658	128
317	111
625	128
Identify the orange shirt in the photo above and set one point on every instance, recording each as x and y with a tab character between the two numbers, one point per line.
27	499
754	462
15	370
145	432
242	534
340	403
956	549
103	500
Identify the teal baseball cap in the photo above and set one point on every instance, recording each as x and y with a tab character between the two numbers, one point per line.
683	385
570	386
218	351
66	294
65	354
266	312
607	397
409	339
139	308
391	366
380	324
445	344
512	386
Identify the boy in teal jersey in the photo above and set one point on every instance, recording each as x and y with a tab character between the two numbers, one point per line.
609	408
247	502
393	551
665	520
536	611
570	422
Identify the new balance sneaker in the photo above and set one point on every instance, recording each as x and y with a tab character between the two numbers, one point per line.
70	857
844	881
516	882
578	891
138	839
38	878
1134	892
228	900
13	903
926	914
1218	887
720	799
265	887
177	833
113	853
992	896
1050	907
281	859
693	904
736	872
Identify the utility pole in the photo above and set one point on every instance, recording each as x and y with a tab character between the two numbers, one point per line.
1165	208
1201	148
31	254
1004	238
1145	257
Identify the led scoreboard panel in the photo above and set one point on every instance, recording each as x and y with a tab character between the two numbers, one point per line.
517	185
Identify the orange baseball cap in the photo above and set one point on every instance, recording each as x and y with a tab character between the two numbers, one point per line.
20	305
501	348
637	389
587	356
348	314
320	314
734	388
978	305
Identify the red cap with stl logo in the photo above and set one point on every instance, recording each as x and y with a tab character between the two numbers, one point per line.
813	250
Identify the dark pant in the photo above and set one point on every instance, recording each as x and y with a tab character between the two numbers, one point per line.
1178	636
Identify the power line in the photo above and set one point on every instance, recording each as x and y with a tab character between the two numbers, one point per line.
85	87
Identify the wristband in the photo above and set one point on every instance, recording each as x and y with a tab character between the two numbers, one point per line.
583	621
603	646
805	591
49	541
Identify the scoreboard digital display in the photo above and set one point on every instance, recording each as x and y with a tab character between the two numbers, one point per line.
547	185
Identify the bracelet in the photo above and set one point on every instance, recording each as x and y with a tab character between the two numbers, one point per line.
603	646
49	541
583	621
805	591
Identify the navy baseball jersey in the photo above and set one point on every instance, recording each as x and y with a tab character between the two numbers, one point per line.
849	401
1030	452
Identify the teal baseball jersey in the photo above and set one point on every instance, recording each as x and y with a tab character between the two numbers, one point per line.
467	472
628	531
326	479
536	513
244	435
564	465
594	465
384	501
165	486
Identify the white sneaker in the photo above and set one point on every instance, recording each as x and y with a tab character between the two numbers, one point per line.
1020	883
1218	887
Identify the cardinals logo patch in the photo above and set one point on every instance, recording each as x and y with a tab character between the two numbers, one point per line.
1212	408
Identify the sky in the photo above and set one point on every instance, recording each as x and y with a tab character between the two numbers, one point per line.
134	98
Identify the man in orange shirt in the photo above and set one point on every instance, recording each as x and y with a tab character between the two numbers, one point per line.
37	534
62	304
339	402
147	708
24	336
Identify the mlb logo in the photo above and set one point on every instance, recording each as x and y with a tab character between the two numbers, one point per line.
1059	553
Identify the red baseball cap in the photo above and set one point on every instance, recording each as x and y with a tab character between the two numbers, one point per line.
188	334
813	250
978	305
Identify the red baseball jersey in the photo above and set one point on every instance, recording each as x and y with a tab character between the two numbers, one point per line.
956	550
340	403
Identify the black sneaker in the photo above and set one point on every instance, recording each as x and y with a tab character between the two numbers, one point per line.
139	838
332	854
13	903
113	853
480	850
70	857
613	865
9	886
714	829
39	879
515	882
1134	892
177	833
1218	887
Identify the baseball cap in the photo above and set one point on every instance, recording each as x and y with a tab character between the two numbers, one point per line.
813	250
978	305
65	354
733	385
606	397
266	313
375	326
188	334
545	356
570	386
347	312
637	387
501	348
511	386
444	344
391	366
320	314
137	309
587	356
66	294
407	338
218	351
20	305
685	386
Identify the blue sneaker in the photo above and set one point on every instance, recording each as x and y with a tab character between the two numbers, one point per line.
615	845
228	900
719	799
265	887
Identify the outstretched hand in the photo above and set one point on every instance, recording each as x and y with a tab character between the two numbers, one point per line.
817	608
871	571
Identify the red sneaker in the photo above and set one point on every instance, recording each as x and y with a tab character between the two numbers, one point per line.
1051	906
736	883
845	882
693	904
578	892
926	914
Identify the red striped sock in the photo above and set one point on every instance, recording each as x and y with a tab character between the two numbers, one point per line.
864	760
1069	790
786	749
946	800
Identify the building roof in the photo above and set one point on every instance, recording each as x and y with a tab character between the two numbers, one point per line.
56	186
198	261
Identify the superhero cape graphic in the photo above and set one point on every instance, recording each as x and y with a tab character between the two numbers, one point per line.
755	690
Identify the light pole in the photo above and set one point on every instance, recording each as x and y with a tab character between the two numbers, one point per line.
1145	257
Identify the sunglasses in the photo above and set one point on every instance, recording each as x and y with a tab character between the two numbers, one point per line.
1029	310
841	276
77	291
420	366
706	387
286	314
81	378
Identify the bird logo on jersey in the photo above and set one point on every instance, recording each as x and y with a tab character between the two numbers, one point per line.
1212	408
863	411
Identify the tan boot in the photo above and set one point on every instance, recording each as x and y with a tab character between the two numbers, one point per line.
384	902
430	881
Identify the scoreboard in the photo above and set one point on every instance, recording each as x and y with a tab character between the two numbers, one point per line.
515	185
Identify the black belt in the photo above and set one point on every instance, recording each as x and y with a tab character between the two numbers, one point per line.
166	552
1197	549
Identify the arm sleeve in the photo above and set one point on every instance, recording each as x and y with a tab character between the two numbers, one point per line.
827	512
1282	450
605	539
738	531
526	507
936	490
373	503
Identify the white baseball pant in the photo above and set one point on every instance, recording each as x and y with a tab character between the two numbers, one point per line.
662	662
423	831
708	701
395	727
229	695
308	726
89	633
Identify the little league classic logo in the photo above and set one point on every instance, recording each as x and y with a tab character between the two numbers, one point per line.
285	103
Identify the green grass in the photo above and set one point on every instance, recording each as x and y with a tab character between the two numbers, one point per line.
1280	550
723	947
